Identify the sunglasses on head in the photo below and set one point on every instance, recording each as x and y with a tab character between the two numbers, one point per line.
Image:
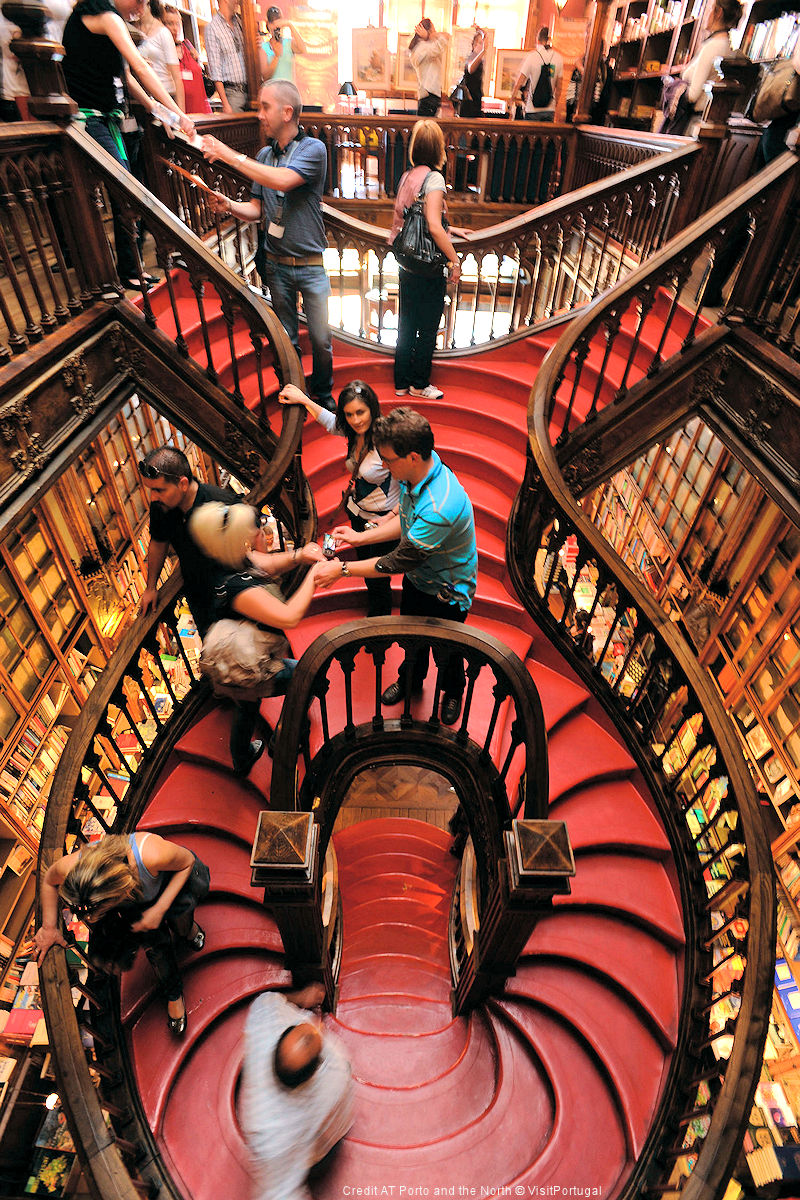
148	471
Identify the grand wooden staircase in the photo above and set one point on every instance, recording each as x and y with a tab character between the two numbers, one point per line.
600	1064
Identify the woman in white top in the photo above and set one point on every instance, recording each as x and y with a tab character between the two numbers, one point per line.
427	50
725	16
159	50
372	494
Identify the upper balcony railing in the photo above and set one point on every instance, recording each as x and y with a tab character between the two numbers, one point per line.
631	344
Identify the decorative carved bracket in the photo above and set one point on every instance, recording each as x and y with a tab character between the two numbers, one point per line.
75	375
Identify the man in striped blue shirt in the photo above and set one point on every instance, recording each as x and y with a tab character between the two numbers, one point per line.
436	552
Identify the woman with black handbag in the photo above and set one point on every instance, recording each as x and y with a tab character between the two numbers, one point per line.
423	282
371	494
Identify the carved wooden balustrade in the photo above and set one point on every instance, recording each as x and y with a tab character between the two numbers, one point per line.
647	676
489	160
115	752
543	264
496	759
55	189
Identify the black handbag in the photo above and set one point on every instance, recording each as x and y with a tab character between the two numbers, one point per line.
414	248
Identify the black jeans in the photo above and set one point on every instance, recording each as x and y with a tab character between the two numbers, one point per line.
379	591
429	105
415	603
421	308
178	922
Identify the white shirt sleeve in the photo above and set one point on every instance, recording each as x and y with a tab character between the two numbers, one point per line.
701	68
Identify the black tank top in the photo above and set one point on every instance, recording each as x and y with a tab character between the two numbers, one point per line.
471	104
93	66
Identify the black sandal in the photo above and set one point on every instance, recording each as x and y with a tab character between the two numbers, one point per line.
196	939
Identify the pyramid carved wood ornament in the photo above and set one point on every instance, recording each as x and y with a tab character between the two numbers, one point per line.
283	848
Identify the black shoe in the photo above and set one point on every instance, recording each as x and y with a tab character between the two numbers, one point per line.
257	747
451	709
177	1025
396	693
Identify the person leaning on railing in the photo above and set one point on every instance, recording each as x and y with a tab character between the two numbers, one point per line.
102	68
372	495
130	891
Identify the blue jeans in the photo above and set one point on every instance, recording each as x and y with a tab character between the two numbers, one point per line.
127	259
284	283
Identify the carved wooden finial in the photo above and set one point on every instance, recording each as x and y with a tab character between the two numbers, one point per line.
41	60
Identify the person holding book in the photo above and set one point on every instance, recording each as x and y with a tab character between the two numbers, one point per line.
372	494
130	891
296	1095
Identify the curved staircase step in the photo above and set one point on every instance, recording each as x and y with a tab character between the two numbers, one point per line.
612	816
631	886
639	964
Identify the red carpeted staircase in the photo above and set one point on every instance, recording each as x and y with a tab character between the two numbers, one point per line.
553	1084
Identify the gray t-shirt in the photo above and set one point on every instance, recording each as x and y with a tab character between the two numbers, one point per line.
304	230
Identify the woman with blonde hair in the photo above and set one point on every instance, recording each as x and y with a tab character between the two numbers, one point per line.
130	891
233	536
422	296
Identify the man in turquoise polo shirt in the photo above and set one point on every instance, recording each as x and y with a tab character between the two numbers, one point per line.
436	552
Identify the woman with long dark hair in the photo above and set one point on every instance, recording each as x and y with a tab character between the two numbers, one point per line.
371	495
130	891
687	105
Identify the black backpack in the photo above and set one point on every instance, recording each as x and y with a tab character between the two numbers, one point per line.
543	92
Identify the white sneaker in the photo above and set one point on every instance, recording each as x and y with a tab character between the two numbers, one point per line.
401	391
427	393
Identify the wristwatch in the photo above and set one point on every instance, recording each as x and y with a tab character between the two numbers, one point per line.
345	570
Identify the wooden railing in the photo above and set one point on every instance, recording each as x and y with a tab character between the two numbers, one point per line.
56	188
532	268
647	676
495	758
489	160
115	752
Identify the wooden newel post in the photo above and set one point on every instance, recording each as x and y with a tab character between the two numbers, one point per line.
286	863
538	865
48	98
583	110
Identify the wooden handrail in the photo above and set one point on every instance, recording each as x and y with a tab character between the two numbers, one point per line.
497	764
655	702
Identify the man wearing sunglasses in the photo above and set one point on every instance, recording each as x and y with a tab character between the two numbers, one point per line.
174	494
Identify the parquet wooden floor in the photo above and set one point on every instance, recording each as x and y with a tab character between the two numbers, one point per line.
399	791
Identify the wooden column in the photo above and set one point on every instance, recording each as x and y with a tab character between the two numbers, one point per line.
583	111
286	863
251	56
537	866
48	98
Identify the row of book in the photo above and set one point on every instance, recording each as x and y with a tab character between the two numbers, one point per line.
772	39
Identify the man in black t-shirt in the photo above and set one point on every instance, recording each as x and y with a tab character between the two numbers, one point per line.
174	493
